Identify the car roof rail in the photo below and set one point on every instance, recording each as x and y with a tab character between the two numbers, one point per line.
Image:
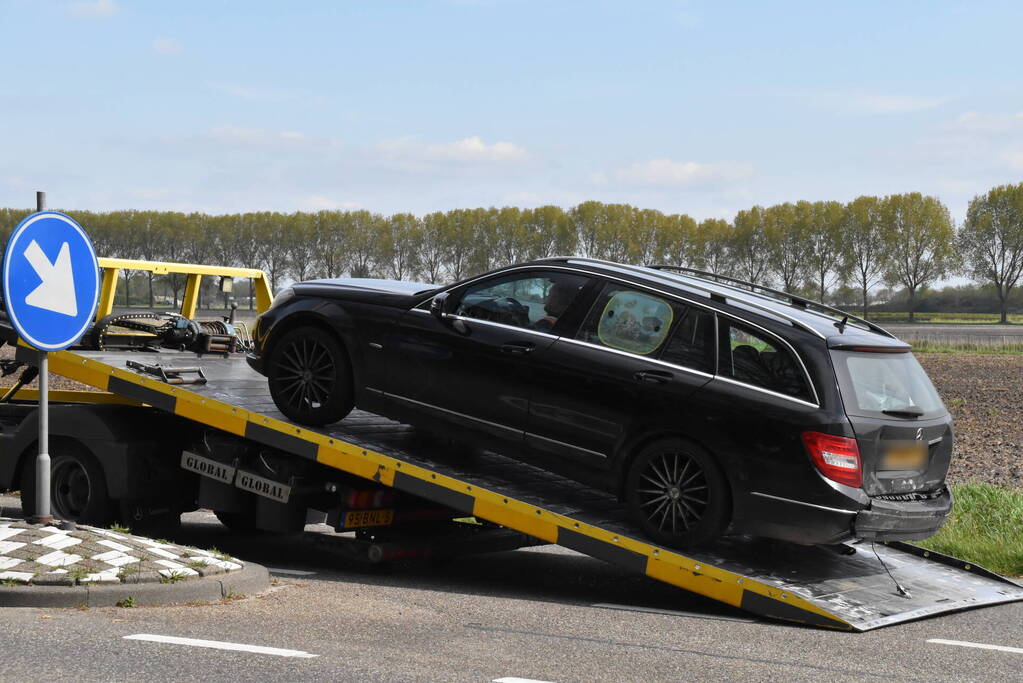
714	294
785	297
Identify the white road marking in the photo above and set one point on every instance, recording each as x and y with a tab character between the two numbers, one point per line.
513	679
979	646
296	572
220	645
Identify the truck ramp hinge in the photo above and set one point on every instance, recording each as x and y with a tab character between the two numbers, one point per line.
169	374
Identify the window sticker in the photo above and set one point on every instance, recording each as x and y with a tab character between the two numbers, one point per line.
634	322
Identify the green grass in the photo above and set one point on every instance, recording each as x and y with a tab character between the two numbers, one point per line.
928	346
127	602
986	528
944	318
119	529
174	577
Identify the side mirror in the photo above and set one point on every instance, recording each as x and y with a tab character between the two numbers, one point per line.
439	305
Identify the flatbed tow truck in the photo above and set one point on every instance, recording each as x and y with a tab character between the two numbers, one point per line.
164	447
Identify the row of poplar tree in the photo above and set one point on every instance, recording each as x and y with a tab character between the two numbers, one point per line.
902	240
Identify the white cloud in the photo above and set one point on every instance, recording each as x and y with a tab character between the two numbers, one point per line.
871	104
474	149
97	9
467	150
166	46
254	137
319	203
251	93
978	142
669	173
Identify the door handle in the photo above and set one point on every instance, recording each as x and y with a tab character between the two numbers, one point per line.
518	348
653	376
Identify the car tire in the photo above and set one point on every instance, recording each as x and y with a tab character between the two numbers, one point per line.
310	377
78	487
677	494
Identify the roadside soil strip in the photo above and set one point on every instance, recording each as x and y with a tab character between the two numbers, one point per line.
220	645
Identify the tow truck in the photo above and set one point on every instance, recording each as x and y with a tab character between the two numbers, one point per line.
168	430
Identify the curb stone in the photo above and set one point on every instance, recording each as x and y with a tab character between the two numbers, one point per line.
252	579
49	566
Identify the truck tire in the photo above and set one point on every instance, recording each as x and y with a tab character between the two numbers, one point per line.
78	486
310	377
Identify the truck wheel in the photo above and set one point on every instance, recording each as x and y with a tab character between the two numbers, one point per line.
310	377
78	488
677	494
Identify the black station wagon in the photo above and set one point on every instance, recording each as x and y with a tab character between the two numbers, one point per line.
708	405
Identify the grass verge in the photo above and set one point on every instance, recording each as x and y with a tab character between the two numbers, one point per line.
986	528
928	346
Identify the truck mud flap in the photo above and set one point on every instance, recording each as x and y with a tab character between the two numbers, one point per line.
241	479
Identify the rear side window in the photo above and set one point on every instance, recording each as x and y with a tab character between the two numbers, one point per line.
751	357
692	343
628	320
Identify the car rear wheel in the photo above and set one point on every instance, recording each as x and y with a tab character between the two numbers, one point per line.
677	494
310	377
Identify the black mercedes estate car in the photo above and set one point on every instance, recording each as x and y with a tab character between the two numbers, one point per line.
708	405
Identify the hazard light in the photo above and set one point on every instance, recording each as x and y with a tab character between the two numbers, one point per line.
836	457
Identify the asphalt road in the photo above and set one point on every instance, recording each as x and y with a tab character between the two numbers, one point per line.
525	614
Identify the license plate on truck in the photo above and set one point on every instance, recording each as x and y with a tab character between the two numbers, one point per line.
354	519
905	457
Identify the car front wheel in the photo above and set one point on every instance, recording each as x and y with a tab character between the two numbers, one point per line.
677	494
310	377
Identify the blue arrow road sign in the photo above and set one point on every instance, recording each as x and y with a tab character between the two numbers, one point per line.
50	280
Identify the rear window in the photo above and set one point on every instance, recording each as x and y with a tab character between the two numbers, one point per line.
872	383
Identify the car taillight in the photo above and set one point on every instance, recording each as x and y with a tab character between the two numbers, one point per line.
837	457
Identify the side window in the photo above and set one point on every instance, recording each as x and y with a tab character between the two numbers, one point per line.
531	300
692	344
748	357
628	320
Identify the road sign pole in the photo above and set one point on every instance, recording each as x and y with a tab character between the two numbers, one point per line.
42	511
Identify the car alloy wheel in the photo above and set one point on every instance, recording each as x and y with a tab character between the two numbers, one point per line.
305	374
673	493
310	377
677	493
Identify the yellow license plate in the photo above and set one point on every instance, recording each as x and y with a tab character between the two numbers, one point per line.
906	457
359	518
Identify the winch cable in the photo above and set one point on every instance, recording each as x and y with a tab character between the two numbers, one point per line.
900	589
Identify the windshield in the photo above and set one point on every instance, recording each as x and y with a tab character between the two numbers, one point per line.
880	384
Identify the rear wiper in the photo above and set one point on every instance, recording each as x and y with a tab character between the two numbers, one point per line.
904	412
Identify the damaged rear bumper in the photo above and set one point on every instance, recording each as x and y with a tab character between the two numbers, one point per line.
890	520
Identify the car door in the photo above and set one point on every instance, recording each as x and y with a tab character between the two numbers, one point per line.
630	366
473	366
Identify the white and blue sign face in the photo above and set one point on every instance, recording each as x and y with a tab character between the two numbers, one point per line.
50	280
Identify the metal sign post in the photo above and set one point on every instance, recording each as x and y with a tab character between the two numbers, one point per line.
50	289
42	514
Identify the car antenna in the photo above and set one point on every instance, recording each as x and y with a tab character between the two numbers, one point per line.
841	324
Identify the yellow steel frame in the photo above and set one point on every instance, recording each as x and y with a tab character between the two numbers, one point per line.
190	301
62	396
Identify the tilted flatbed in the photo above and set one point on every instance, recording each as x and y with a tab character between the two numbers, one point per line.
810	585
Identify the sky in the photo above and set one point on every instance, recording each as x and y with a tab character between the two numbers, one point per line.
702	108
